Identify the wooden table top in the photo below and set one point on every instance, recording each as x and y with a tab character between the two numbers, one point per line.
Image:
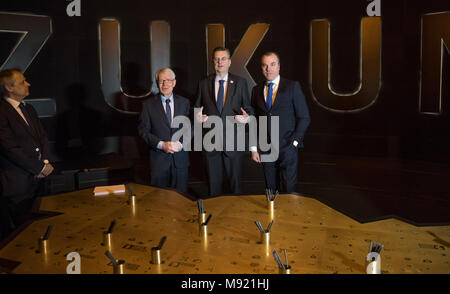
318	239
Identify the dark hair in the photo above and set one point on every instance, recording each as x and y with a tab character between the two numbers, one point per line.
5	78
220	49
268	53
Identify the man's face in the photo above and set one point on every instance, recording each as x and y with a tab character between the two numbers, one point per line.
166	83
270	66
222	62
18	89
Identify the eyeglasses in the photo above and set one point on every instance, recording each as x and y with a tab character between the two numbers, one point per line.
223	59
161	82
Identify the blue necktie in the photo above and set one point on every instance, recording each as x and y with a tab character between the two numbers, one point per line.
168	112
269	96
220	96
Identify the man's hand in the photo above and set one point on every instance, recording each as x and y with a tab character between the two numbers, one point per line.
200	117
171	147
46	171
255	157
242	118
177	145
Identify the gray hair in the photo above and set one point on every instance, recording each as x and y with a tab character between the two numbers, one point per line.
165	70
6	78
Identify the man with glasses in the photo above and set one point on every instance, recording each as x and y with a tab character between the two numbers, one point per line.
169	163
223	94
23	152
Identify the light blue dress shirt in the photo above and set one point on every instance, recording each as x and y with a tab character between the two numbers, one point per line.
163	101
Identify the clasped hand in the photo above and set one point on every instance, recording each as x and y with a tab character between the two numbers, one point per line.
171	147
46	171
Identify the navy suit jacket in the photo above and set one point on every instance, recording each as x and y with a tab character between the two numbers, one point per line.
237	96
22	151
154	127
291	108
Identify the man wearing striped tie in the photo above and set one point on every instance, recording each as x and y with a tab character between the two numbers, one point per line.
223	94
169	161
282	98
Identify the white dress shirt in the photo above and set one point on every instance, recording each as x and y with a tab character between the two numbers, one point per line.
275	82
217	85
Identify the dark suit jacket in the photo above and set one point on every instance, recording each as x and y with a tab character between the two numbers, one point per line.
291	108
154	127
237	96
22	151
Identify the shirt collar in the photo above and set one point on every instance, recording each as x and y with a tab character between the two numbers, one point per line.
13	102
276	81
163	98
225	78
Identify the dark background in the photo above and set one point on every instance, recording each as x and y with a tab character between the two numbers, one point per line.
390	148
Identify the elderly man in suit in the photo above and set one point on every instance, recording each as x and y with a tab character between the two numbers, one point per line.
223	95
284	98
169	162
23	152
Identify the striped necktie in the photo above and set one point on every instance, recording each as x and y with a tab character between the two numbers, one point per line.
168	112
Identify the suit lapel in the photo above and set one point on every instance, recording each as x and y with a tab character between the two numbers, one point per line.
280	94
211	90
33	123
230	91
160	109
260	100
176	105
16	116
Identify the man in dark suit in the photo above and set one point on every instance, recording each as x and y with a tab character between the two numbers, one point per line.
223	95
23	152
169	162
281	97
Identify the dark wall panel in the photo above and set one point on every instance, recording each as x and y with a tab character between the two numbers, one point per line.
67	69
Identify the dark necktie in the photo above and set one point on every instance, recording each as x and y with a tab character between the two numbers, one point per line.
269	96
26	115
168	112
220	95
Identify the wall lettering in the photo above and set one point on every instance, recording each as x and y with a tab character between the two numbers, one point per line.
370	67
110	64
434	44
